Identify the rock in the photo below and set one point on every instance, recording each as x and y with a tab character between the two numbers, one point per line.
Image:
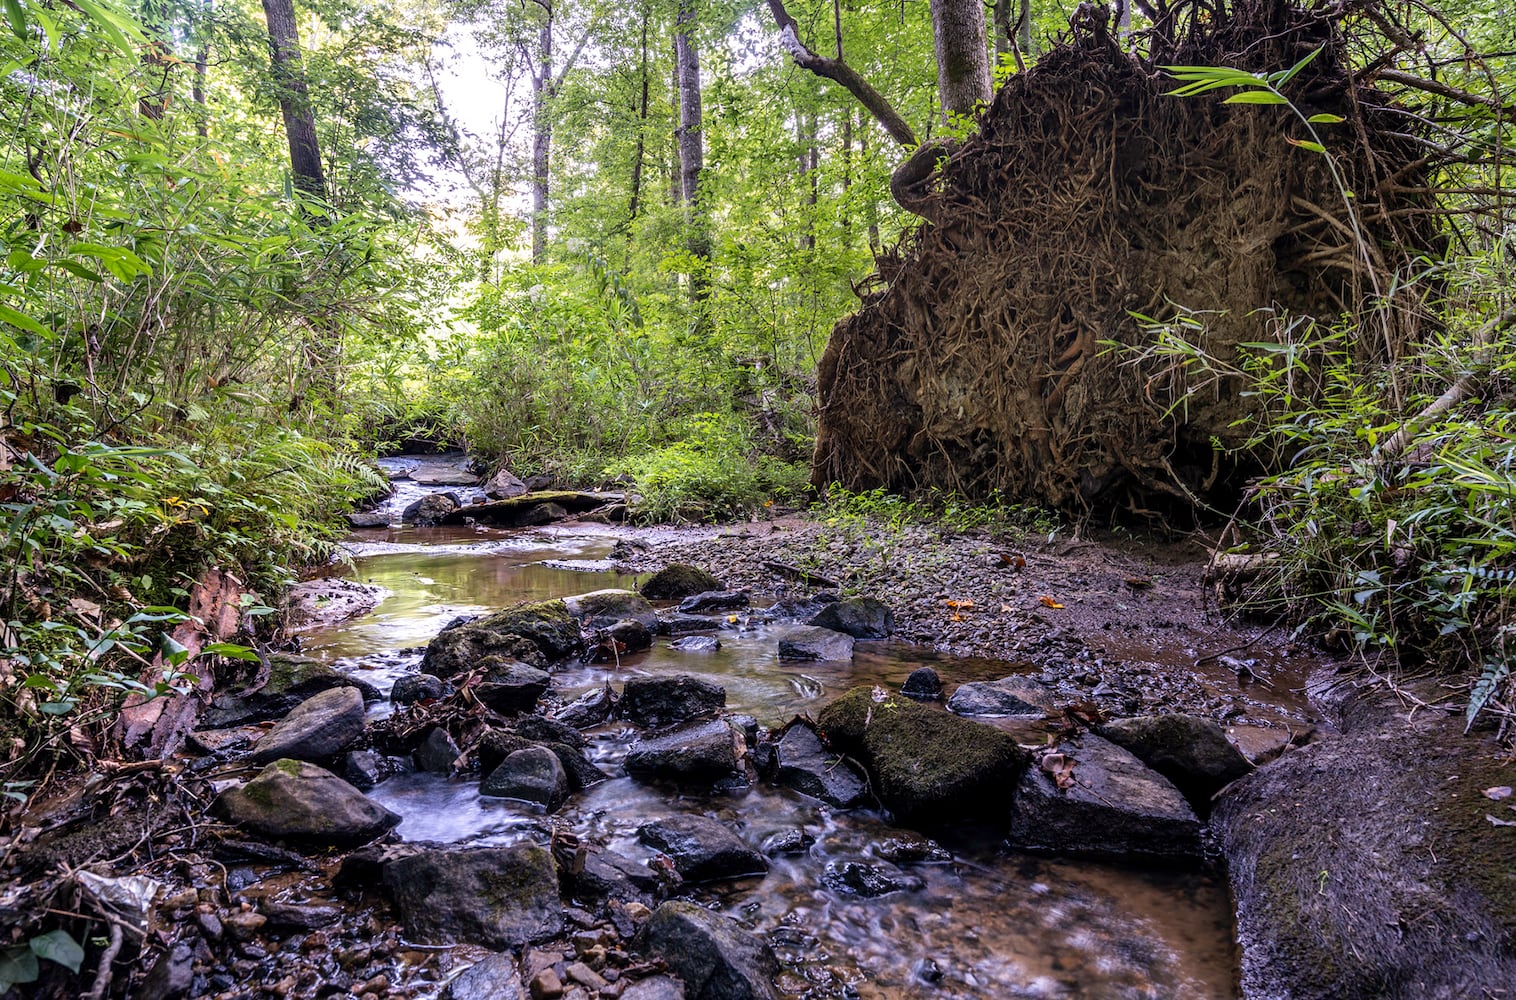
1364	867
364	769
537	633
1013	697
809	642
582	773
546	985
1192	752
589	709
171	976
504	485
633	636
922	685
859	878
543	513
702	849
498	897
905	848
533	774
579	972
859	617
605	608
295	799
417	687
291	680
787	843
437	752
696	644
925	765
368	519
677	581
494	977
696	754
715	957
654	988
295	916
317	729
429	511
803	764
539	729
1116	806
670	699
606	875
328	601
715	600
675	623
510	686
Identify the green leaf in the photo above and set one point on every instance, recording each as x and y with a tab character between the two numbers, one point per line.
1279	80
17	965
1256	97
231	650
59	946
57	707
114	25
1313	146
1326	119
17	18
174	651
20	319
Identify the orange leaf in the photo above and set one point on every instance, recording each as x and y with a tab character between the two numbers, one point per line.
1048	602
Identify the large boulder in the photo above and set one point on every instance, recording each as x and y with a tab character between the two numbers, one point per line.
1013	697
498	897
926	766
1368	866
1192	752
802	763
1095	798
510	686
430	510
670	699
291	680
531	774
702	753
317	729
298	800
713	954
859	617
702	849
605	608
537	633
810	642
677	581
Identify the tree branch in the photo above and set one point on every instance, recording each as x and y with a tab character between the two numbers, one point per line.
841	73
1440	89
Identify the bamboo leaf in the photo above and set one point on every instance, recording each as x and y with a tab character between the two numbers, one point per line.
1256	97
1326	119
1314	147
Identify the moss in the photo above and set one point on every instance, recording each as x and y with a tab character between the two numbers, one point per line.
1474	853
679	580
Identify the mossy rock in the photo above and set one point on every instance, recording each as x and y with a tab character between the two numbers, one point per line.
536	633
291	680
677	581
1365	867
926	766
290	799
501	898
604	608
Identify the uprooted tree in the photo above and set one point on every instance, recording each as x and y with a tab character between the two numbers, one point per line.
999	349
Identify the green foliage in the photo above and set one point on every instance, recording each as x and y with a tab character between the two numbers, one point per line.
879	508
18	964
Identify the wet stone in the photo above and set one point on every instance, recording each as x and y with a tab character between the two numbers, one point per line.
589	709
511	686
315	730
668	700
655	988
677	581
702	849
544	730
606	608
606	875
923	685
1192	752
805	765
700	753
417	687
809	642
437	752
493	978
676	623
714	955
715	600
860	878
905	847
533	774
429	510
292	798
696	644
496	897
787	843
1009	697
859	617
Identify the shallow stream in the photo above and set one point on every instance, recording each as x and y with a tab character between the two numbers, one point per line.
990	924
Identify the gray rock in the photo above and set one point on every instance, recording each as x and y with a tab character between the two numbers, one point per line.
171	976
437	752
298	800
494	977
677	581
540	729
700	753
1009	697
715	600
604	608
363	769
715	957
923	685
668	700
504	485
810	642
676	623
606	875
317	729
429	510
654	988
291	680
368	519
859	617
803	764
533	774
859	878
536	633
417	687
787	843
589	709
298	916
702	849
906	848
1116	806
497	897
1192	752
633	635
696	644
510	686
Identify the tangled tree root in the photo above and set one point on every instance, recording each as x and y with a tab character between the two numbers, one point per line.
983	360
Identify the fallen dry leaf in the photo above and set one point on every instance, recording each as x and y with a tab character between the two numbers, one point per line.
1048	602
1139	581
1015	560
1499	822
962	603
1498	792
1060	767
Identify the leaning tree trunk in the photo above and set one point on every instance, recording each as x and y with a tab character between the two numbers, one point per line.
691	148
294	98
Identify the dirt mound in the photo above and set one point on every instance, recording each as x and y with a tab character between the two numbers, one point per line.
984	363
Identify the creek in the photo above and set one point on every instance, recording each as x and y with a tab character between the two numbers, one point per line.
992	923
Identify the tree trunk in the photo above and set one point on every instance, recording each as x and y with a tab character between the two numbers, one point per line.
642	104
847	174
542	135
810	160
691	146
963	62
294	98
1024	42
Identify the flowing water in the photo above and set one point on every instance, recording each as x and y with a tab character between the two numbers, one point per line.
990	924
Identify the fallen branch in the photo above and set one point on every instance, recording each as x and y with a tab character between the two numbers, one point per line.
1458	391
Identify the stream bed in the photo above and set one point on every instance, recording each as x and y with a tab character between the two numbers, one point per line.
990	923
